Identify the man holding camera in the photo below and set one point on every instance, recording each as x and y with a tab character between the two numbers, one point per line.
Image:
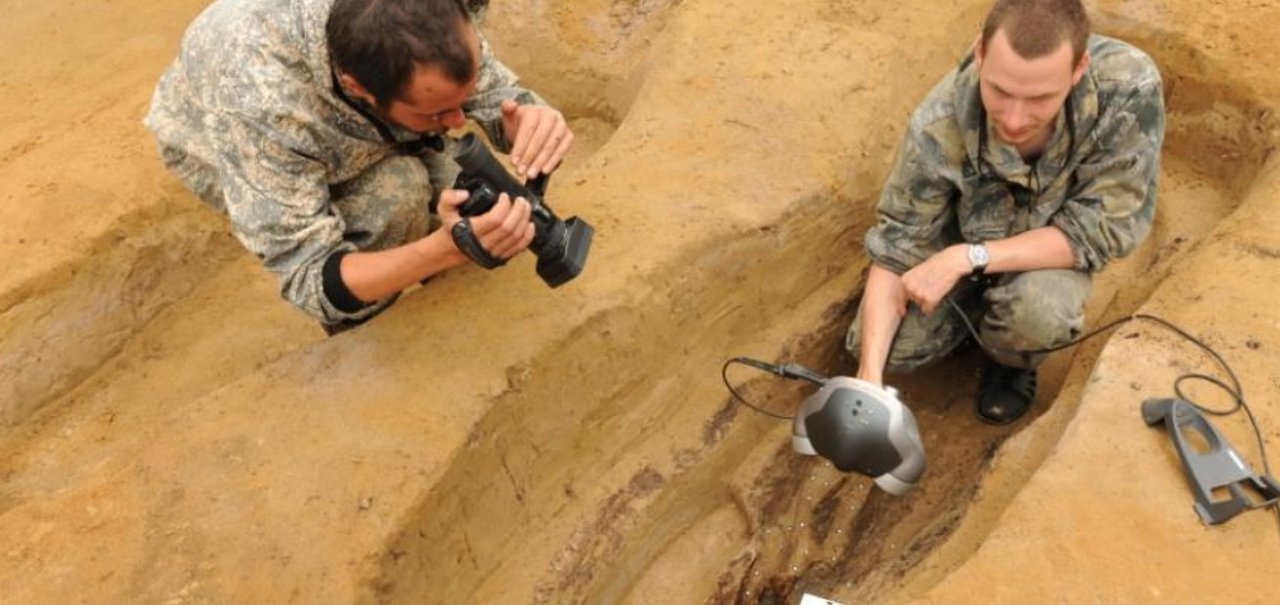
315	125
1028	168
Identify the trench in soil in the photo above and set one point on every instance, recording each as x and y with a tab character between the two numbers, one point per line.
617	470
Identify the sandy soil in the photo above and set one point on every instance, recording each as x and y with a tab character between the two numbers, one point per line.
171	432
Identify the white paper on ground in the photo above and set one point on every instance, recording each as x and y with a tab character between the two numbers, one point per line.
809	599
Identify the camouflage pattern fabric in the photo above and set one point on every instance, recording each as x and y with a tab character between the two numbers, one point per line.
248	117
1018	312
955	181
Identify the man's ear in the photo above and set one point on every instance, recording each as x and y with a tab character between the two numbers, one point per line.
350	83
1081	66
978	50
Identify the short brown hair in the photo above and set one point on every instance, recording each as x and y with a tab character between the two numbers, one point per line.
1036	28
381	42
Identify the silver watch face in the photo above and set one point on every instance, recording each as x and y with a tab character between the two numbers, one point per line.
978	256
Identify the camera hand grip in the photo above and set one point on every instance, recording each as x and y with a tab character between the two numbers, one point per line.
464	237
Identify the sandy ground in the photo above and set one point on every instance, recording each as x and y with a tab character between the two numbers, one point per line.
172	432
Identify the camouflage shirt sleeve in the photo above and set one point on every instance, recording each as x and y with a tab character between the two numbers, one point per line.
1113	205
916	215
497	83
276	196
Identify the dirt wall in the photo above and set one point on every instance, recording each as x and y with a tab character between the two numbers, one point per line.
170	431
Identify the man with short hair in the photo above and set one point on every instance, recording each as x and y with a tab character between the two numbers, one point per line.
315	126
1028	168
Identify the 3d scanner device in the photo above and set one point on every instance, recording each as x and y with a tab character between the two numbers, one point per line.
1220	478
862	428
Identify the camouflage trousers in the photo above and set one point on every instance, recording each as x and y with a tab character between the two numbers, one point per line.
1013	312
383	207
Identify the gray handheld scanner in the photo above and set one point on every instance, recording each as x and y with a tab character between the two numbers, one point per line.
862	428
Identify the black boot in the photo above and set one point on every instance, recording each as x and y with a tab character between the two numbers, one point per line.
1006	393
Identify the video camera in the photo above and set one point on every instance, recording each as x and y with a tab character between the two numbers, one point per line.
561	246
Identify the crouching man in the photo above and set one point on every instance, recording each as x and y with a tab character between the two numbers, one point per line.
1027	169
315	125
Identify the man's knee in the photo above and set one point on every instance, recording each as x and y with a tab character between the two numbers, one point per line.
920	339
1036	310
386	205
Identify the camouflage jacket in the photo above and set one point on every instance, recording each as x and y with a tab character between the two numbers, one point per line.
955	181
252	97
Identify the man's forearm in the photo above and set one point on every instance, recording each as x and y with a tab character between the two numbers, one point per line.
883	305
372	276
1042	248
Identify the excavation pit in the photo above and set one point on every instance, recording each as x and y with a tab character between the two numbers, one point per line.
491	440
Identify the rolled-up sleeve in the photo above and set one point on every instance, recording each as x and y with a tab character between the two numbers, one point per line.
915	217
1113	205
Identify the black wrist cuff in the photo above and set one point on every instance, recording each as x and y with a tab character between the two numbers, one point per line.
335	289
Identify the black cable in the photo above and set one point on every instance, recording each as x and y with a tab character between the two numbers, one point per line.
1234	389
791	371
796	371
724	374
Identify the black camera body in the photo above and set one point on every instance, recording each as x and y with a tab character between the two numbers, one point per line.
561	245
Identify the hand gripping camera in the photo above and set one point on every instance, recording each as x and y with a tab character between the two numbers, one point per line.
862	428
561	246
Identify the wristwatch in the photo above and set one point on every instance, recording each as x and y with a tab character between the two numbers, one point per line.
978	259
